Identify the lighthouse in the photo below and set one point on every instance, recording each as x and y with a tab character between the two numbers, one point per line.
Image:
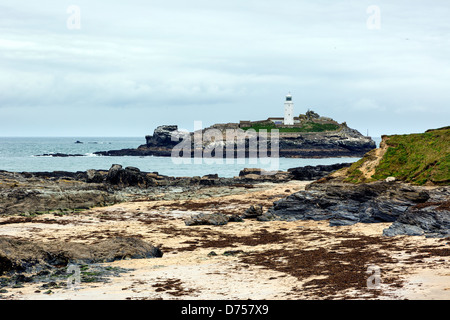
289	111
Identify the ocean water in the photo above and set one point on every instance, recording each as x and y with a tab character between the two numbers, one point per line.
20	154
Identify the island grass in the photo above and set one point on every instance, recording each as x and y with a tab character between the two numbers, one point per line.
413	158
307	127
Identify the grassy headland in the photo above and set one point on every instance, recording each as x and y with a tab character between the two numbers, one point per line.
414	158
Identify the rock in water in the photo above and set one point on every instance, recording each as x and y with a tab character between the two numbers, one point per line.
162	136
164	133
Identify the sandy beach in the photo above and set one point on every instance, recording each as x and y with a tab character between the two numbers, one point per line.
273	260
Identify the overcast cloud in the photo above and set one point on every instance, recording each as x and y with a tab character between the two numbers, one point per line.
134	65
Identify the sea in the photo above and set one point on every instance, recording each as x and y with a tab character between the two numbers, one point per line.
22	154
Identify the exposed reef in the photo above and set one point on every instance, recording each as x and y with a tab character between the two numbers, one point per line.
30	256
63	192
413	209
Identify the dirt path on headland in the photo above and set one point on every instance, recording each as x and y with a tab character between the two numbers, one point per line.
240	260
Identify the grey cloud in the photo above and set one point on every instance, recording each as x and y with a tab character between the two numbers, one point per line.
217	61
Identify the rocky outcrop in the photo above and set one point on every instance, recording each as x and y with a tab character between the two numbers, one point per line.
128	177
346	142
94	176
345	204
431	218
315	172
253	212
413	210
386	185
159	144
26	256
59	155
35	197
257	212
64	192
261	175
306	173
216	219
162	135
60	191
426	221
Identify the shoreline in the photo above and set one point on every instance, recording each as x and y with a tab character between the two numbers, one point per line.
137	235
62	190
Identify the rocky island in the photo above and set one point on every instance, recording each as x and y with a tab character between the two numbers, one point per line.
307	136
300	141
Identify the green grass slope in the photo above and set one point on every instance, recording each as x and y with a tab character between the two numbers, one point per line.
414	158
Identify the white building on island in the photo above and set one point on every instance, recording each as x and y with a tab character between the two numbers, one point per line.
288	111
288	120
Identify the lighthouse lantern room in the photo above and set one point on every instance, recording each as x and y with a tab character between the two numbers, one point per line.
288	111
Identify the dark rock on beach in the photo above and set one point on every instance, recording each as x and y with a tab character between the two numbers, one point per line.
257	212
315	172
253	212
408	207
261	175
431	218
94	176
216	219
31	256
39	192
306	173
130	176
345	204
63	192
412	209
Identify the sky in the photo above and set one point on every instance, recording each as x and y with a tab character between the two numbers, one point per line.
122	68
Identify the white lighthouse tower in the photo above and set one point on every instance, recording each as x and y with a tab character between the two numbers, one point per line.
288	111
